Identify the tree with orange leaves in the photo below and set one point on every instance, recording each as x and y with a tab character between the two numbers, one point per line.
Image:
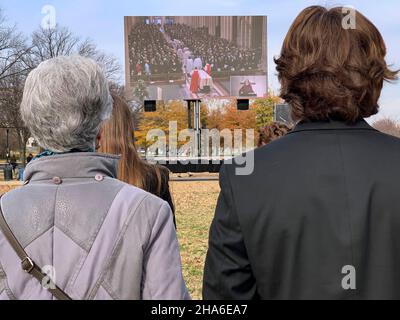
166	113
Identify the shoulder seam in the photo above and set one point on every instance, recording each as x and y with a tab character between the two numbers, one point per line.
109	260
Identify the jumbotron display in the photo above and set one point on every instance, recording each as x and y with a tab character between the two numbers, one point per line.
170	58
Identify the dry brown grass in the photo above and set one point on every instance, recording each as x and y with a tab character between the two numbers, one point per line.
195	206
8	186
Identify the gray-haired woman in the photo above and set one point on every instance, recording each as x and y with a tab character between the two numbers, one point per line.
95	236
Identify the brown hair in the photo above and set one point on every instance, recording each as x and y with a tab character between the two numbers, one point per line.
331	72
272	132
118	138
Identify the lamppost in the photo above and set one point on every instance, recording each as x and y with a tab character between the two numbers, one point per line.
8	146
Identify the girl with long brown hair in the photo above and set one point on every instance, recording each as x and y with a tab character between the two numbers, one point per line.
117	138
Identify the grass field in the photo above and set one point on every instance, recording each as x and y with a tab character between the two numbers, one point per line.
195	206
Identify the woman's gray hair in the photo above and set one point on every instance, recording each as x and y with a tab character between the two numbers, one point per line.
64	103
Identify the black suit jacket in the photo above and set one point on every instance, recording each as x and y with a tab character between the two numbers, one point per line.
321	198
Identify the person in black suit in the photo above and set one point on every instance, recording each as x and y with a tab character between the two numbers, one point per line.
319	216
29	158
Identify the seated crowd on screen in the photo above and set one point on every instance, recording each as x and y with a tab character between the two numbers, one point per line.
220	53
150	53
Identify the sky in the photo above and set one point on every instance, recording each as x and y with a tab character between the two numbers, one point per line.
102	21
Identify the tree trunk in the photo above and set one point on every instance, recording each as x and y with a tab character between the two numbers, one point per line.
24	154
22	141
20	144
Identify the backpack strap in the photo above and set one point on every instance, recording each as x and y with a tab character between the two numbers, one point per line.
27	264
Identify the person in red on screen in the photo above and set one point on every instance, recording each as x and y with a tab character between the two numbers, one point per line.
208	69
195	83
139	69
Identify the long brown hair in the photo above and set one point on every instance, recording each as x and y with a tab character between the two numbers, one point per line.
118	138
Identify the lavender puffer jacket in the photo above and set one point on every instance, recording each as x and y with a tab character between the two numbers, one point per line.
99	237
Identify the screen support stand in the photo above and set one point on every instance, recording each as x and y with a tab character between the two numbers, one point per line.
196	124
197	128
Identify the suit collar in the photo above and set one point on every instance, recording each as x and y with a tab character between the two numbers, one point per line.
332	125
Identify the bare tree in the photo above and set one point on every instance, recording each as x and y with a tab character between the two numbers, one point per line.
49	43
11	90
12	141
12	50
388	126
52	42
13	71
17	59
109	63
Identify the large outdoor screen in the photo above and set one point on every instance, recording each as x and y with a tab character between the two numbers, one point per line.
196	57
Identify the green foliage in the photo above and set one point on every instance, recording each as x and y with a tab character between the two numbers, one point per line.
140	90
264	111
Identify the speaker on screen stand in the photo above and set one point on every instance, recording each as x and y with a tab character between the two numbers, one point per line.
243	104
150	106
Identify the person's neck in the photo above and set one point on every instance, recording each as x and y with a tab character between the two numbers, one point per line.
49	153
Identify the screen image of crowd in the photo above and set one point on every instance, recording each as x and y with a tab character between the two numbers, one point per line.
198	60
150	52
221	54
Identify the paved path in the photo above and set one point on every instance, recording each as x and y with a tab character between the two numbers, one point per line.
192	179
